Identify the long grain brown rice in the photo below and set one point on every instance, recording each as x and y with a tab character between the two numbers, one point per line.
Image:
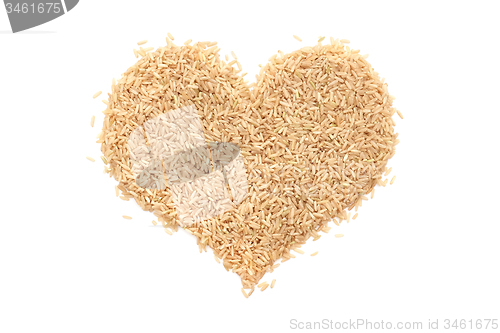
315	133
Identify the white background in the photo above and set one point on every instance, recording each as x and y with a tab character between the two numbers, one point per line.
424	248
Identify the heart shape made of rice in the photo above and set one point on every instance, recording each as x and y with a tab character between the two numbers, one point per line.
315	131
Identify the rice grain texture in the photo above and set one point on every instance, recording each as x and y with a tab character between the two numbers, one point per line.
315	132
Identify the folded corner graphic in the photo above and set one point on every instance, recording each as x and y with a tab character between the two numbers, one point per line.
205	179
26	14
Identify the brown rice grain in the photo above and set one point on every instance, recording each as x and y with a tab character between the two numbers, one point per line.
97	94
90	159
127	217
